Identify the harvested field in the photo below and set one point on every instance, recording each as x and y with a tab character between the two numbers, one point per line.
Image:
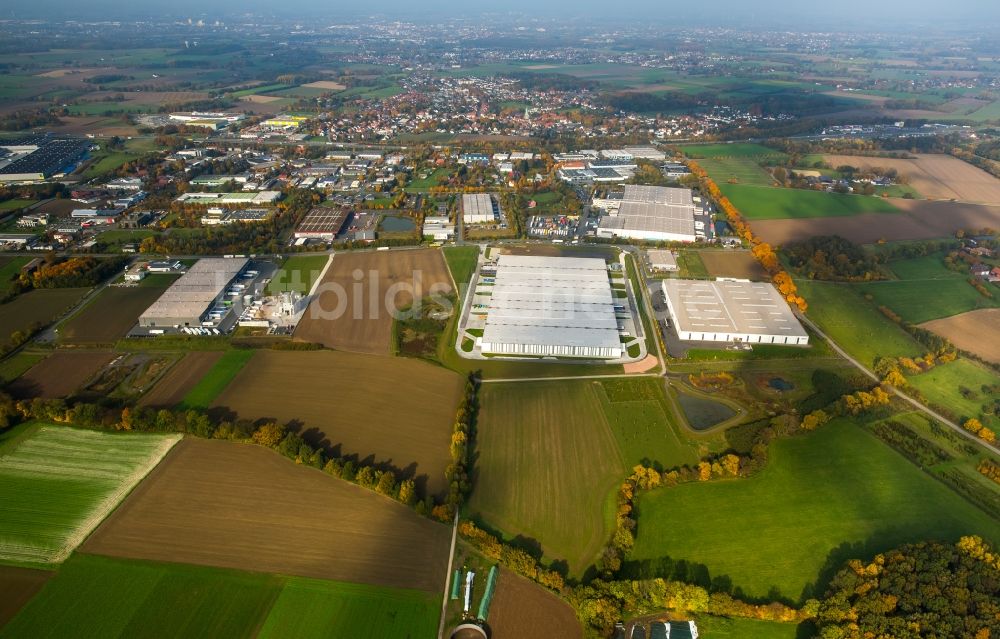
399	411
97	125
325	84
356	315
921	220
110	315
180	379
17	587
523	610
977	332
261	99
59	375
936	177
739	264
36	308
217	503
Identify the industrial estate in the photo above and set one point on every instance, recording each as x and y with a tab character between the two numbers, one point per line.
491	325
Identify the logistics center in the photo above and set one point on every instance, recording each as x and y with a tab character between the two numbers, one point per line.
551	306
732	311
196	298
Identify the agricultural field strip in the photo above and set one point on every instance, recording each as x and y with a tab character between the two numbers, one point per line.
55	452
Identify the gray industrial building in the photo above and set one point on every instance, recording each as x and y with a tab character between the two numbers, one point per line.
197	296
551	306
732	311
652	213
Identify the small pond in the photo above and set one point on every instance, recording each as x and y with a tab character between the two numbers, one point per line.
780	384
397	224
703	413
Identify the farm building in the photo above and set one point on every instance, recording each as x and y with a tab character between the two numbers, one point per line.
731	311
660	260
191	299
321	223
478	208
551	306
655	213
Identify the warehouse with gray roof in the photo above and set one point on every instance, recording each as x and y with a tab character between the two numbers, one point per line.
196	296
652	213
551	307
732	311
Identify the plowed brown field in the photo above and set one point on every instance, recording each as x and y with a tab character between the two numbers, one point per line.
17	587
977	332
398	410
59	375
739	264
217	503
523	610
937	177
180	379
921	220
110	315
357	296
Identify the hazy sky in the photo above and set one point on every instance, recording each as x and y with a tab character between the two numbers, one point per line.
876	14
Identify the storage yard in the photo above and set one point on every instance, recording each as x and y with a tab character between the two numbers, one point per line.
215	503
730	311
356	314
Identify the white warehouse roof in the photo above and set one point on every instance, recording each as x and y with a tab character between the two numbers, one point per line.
547	306
652	213
725	310
192	293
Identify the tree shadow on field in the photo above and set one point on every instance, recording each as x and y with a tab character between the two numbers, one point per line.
839	556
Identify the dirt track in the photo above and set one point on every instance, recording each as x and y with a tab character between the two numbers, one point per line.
977	332
936	177
523	610
920	220
398	411
218	503
59	375
180	379
386	280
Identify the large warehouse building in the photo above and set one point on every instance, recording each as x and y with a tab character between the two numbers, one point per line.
732	311
322	223
551	306
193	298
478	208
652	213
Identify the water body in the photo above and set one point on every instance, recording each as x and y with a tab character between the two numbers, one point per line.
397	224
702	413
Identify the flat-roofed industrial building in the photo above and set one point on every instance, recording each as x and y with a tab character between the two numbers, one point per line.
478	208
662	260
653	213
193	298
731	311
322	223
551	307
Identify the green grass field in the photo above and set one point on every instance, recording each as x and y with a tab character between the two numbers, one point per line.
18	364
106	162
712	151
93	597
926	290
461	262
9	270
10	205
298	273
942	385
834	494
568	441
216	380
766	203
745	170
102	597
57	484
426	183
736	628
854	323
313	608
